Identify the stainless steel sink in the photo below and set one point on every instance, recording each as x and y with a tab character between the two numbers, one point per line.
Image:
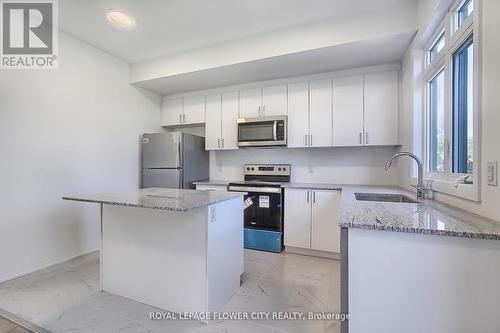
384	197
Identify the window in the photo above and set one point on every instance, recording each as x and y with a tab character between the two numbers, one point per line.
436	123
463	130
436	48
451	84
464	11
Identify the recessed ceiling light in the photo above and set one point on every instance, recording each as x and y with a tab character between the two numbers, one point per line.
120	19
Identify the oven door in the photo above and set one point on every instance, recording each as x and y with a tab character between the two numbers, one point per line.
264	207
257	132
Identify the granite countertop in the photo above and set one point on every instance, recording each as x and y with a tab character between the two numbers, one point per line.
426	217
318	186
213	182
159	198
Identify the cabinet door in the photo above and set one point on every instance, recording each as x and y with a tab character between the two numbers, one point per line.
229	120
250	103
320	113
298	114
381	108
194	110
348	111
274	101
213	123
325	230
297	218
171	112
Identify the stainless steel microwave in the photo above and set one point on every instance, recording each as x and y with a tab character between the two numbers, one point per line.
262	132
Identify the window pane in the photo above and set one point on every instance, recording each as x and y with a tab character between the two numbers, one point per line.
435	140
465	11
463	108
436	48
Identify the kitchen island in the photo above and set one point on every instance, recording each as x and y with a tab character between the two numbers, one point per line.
178	250
417	267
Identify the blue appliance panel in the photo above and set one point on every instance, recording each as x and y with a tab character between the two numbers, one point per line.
263	240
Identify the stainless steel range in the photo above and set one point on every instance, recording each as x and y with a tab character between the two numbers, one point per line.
264	204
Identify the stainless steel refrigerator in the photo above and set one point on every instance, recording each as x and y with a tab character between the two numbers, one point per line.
173	160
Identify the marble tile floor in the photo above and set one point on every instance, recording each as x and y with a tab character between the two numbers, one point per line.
65	298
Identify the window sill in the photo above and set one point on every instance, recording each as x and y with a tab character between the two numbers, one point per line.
464	191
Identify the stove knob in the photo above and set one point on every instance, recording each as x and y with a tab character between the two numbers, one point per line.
248	169
253	168
279	169
284	169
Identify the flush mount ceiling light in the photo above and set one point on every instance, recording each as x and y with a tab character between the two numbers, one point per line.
120	19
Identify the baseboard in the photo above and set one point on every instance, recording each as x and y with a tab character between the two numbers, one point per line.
80	252
312	253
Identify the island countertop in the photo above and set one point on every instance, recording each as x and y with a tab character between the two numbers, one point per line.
159	198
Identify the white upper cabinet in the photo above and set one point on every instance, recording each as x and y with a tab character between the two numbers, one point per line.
229	112
221	128
213	124
298	115
381	99
263	102
274	101
171	112
250	102
356	110
325	212
320	113
194	110
180	111
348	111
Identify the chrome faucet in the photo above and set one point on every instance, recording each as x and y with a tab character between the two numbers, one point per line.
420	184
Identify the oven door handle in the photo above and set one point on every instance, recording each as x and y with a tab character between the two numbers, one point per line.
275	130
255	189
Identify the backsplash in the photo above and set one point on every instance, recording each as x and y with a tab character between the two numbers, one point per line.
353	165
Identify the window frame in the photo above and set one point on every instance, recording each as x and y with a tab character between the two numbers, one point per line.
455	36
438	71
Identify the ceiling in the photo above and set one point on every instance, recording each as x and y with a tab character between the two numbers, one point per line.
167	27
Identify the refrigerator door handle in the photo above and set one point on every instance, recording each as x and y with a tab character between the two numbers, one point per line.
179	175
179	156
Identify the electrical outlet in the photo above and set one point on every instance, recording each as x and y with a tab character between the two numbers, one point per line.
491	174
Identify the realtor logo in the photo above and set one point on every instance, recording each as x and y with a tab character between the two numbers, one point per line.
29	34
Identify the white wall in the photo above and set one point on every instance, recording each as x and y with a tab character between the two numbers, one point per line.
66	131
361	165
490	117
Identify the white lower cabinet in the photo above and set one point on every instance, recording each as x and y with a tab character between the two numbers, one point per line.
311	219
325	230
297	218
